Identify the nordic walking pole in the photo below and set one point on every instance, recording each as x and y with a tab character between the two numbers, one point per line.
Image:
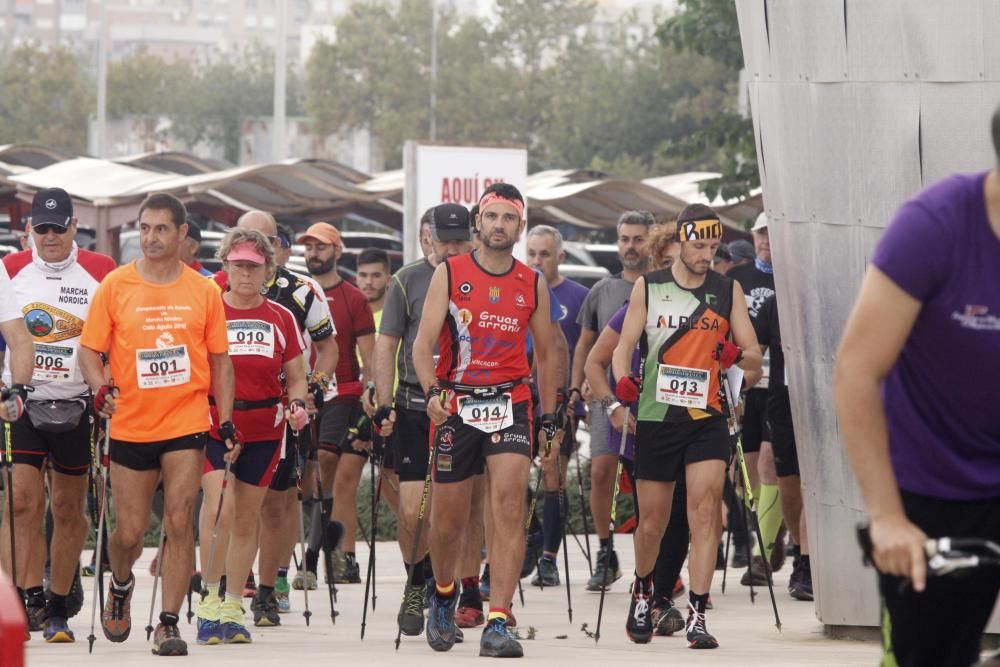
748	492
563	518
325	521
102	503
611	533
370	576
306	614
156	577
420	524
215	526
583	513
10	502
729	533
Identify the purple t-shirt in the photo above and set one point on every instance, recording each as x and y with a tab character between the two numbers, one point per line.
941	399
616	323
571	295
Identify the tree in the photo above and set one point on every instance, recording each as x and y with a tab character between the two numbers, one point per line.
710	28
46	98
146	88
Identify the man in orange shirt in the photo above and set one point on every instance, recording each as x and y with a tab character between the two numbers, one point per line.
163	327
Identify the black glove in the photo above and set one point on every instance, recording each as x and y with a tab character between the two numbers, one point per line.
550	424
383	413
228	431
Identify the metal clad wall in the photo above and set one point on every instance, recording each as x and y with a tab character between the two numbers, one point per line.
857	105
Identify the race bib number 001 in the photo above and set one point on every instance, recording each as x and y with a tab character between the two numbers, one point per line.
250	337
53	363
489	415
683	387
166	367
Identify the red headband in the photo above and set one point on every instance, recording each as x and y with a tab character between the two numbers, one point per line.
493	198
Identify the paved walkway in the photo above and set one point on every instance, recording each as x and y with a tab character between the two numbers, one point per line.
746	632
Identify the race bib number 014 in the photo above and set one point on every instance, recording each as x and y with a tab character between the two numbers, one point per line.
683	387
250	337
53	363
166	367
489	415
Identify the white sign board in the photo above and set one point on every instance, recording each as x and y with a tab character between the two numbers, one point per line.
454	174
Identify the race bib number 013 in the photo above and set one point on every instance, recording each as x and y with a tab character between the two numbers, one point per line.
489	415
53	363
250	337
166	367
683	387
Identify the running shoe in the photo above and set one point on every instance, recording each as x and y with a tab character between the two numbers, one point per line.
89	570
800	585
265	610
57	631
697	632
603	575
638	626
281	591
304	580
548	573
233	630
411	611
208	623
499	642
167	640
667	619
441	623
345	569
116	617
469	617
756	573
35	608
250	588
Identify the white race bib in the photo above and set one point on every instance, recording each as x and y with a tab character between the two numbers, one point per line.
683	387
163	367
489	415
250	337
53	363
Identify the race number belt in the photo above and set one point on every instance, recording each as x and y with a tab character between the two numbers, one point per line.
53	363
163	367
483	391
683	387
250	405
489	414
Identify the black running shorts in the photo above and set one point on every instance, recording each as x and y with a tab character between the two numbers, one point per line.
146	455
779	415
67	452
411	438
462	449
755	429
337	418
662	449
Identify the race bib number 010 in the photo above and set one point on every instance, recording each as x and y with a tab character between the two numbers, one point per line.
166	367
683	387
250	337
489	415
53	363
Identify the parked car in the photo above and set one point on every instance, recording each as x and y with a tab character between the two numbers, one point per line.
577	253
128	248
585	275
605	255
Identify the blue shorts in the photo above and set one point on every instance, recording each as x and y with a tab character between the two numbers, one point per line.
256	464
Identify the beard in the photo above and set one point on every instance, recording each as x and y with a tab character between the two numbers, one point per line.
377	295
319	267
695	269
506	244
633	261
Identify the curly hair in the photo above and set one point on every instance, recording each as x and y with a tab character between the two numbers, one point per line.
238	235
662	236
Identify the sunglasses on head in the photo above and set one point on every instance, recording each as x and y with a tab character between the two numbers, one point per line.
44	228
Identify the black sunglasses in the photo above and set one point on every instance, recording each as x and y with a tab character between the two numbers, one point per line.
44	228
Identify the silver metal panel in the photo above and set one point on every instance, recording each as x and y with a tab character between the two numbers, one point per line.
944	40
875	46
884	144
954	137
808	40
753	34
991	47
789	152
830	113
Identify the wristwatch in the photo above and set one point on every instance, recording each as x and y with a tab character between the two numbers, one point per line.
610	404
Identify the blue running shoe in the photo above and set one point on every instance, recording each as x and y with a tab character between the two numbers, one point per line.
441	628
57	631
498	641
235	633
209	632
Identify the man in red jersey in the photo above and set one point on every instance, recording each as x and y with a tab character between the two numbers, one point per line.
479	308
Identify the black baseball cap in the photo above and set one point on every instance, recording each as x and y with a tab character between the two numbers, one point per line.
194	231
451	223
52	206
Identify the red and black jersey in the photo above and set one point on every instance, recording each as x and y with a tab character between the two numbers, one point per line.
352	319
483	341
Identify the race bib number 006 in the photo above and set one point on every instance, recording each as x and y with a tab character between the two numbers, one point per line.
250	337
166	367
683	387
489	415
53	363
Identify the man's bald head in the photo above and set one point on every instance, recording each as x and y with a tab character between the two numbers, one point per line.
259	221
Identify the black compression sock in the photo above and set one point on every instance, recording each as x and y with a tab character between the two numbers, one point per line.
552	521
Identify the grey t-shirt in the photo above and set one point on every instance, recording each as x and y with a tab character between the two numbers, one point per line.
604	300
401	319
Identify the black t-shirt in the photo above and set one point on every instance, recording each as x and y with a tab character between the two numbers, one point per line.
769	333
756	285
